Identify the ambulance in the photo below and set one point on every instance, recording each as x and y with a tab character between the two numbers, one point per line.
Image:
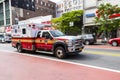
44	39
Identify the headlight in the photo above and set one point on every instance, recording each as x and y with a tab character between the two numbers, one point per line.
69	42
3	40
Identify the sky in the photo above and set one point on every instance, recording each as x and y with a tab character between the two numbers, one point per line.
55	0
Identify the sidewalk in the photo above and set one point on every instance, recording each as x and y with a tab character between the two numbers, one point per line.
103	46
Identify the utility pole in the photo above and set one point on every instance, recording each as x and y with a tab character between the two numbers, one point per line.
83	27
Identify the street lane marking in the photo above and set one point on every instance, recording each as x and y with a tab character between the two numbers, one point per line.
102	53
85	65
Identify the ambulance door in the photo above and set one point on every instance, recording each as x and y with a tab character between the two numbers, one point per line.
47	39
24	39
38	41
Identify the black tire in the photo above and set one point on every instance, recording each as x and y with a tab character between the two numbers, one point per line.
87	42
60	53
34	49
114	43
19	48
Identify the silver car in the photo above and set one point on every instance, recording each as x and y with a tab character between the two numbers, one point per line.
2	39
87	39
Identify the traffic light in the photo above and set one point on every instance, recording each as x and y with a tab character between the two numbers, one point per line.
25	4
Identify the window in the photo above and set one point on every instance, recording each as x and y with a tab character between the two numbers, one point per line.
56	33
39	33
45	4
8	21
1	36
36	1
23	31
15	30
41	3
46	35
48	5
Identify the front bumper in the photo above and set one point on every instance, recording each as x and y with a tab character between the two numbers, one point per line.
2	41
75	49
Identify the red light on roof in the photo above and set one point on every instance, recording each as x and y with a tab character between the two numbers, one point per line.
29	25
48	28
33	25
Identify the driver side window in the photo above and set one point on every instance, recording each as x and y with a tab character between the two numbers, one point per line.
46	35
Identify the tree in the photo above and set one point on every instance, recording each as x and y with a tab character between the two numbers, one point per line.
63	22
104	20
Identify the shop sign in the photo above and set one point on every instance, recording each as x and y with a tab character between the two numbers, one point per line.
90	15
70	5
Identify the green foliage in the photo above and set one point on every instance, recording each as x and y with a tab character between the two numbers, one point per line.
63	22
104	12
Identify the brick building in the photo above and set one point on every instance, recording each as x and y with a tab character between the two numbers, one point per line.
9	15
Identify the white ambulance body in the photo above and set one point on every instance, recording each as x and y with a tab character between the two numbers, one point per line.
26	30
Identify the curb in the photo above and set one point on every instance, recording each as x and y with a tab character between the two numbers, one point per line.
103	46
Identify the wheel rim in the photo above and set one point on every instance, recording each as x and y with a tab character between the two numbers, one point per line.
87	42
114	43
19	48
59	53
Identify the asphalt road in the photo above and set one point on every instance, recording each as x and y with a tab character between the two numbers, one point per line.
104	58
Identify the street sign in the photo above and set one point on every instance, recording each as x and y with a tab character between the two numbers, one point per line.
71	23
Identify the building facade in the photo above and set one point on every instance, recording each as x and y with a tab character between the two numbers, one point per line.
90	14
89	7
10	15
4	14
68	5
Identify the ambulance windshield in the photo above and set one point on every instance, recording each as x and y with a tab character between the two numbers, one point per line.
56	33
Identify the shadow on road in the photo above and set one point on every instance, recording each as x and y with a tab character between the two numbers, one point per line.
82	56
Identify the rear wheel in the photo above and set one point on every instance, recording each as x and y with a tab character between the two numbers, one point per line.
19	48
87	42
60	52
114	43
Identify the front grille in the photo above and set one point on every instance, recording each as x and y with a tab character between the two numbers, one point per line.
78	42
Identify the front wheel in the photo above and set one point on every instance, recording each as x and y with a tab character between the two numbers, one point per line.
114	43
87	42
19	48
60	53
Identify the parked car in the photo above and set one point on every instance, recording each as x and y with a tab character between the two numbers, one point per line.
5	38
8	38
114	41
2	39
87	39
